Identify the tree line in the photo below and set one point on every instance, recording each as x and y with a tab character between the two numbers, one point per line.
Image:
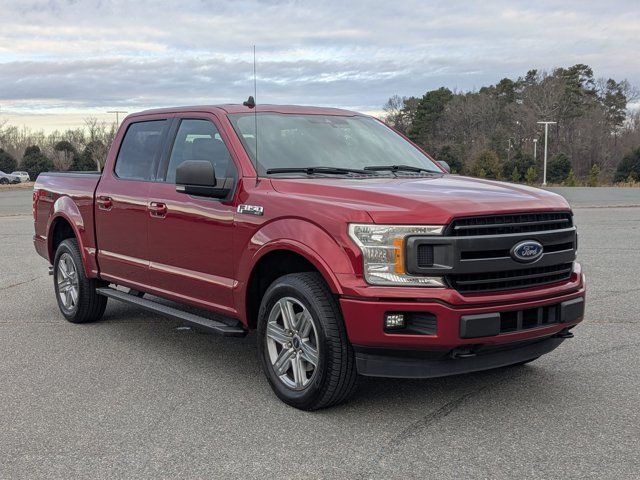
489	133
492	132
73	149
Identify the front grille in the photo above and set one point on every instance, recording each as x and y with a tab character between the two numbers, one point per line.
475	254
508	224
510	279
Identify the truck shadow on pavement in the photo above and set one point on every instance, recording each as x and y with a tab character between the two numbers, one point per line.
236	358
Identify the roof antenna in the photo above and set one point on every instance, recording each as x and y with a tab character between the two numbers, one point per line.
251	103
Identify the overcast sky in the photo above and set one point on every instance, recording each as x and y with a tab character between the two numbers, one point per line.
60	60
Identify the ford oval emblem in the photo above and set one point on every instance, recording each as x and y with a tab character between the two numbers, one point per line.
527	251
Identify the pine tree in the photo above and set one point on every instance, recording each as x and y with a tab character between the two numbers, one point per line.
630	165
515	175
530	176
35	162
7	163
594	176
558	168
487	165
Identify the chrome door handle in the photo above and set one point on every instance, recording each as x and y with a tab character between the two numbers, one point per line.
157	209
104	203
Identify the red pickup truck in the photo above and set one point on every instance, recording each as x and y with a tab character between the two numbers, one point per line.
346	247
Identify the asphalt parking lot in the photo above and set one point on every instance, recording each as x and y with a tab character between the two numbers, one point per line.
134	397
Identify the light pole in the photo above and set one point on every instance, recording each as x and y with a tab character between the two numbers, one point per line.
546	135
535	144
117	112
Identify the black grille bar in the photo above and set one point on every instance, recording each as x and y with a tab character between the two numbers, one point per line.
504	253
511	279
508	224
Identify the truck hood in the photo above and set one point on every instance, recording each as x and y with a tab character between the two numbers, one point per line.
422	200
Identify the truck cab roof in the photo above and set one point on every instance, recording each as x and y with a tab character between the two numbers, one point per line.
238	108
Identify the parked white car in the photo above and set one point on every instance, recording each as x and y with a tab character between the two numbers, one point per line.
6	178
23	176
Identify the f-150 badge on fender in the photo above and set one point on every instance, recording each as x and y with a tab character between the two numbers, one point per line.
251	209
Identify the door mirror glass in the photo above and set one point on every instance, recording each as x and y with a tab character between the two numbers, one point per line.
444	165
197	177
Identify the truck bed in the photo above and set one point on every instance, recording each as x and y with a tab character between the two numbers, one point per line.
75	192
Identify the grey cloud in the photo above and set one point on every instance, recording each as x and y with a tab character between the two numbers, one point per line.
86	54
167	81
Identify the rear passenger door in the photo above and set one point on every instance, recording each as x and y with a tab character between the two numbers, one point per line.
121	204
191	237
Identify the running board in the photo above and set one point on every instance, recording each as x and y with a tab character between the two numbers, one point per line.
204	323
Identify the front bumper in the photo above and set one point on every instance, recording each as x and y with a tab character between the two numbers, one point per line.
470	327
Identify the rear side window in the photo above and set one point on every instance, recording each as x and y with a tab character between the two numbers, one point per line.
200	140
139	151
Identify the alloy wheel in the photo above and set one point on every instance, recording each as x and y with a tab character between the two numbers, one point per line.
292	343
67	282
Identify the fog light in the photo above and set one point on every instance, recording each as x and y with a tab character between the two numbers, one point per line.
394	320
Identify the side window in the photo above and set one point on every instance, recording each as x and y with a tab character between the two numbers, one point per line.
139	150
200	140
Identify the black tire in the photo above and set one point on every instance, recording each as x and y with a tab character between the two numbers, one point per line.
89	306
3	181
335	377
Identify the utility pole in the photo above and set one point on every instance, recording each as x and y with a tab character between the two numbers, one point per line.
546	135
117	112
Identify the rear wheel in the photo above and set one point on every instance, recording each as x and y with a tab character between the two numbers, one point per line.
3	181
76	294
303	344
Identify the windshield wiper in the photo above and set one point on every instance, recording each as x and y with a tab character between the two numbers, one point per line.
314	170
398	168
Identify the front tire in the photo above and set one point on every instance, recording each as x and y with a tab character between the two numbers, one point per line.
76	294
303	345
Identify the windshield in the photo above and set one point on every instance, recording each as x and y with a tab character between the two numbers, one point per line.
289	141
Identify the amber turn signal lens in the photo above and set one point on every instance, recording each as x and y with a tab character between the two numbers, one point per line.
398	245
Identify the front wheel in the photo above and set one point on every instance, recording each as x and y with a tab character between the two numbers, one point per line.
76	294
303	344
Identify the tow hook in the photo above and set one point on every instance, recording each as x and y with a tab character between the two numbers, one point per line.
564	334
462	352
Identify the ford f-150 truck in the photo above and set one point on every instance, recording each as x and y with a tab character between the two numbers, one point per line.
348	248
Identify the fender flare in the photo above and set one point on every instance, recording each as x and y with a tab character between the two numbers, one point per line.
304	251
298	236
65	208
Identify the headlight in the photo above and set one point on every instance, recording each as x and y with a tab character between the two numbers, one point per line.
383	248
